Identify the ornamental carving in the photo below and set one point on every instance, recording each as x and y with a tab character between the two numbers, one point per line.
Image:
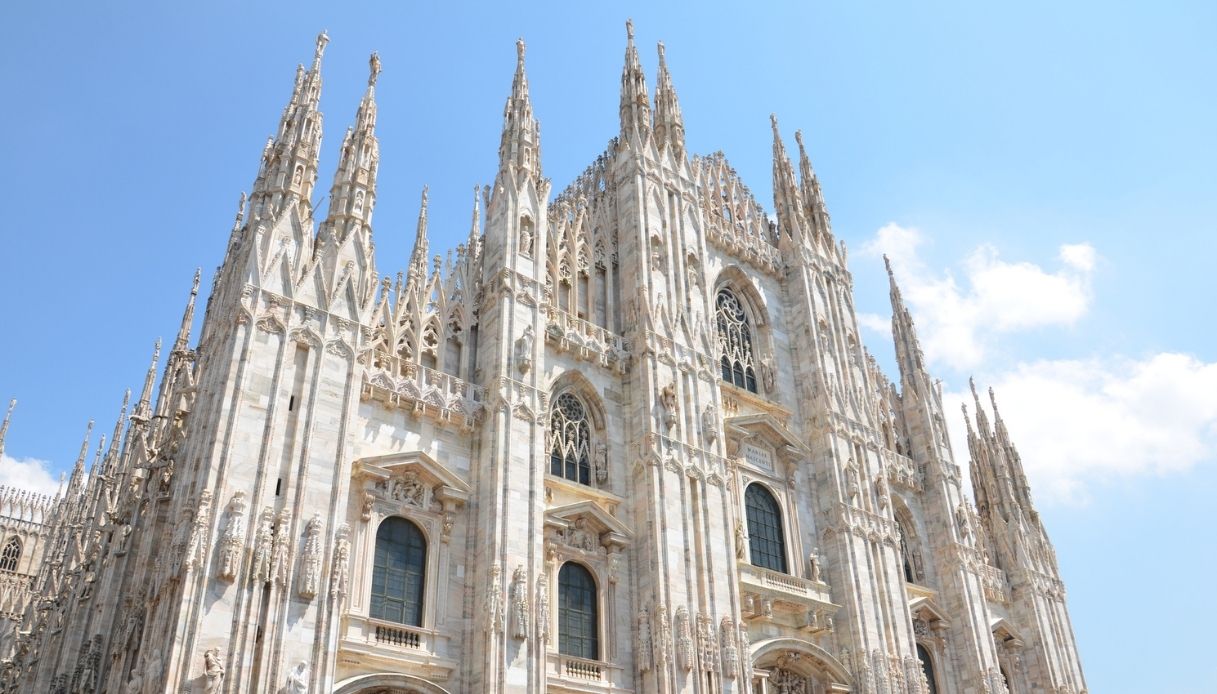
310	560
407	488
233	539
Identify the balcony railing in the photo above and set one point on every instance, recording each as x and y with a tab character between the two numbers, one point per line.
398	635
580	669
586	340
403	383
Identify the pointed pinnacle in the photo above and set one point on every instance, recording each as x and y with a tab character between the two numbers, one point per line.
629	29
84	445
322	40
8	416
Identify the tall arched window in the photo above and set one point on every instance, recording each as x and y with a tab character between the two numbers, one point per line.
578	616
398	572
735	342
927	666
570	437
10	555
765	537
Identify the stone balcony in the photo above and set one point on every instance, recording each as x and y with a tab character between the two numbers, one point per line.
565	673
772	595
426	392
586	340
378	643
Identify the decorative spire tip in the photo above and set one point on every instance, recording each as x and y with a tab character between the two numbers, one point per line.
520	50
322	39
629	29
373	68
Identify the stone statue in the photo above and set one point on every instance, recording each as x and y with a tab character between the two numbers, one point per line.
709	423
341	571
741	541
667	400
543	608
645	656
683	636
281	558
524	349
813	565
730	654
660	636
234	538
519	602
263	546
297	679
310	560
494	604
213	670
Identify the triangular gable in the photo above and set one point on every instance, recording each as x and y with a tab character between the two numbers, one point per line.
767	428
588	516
383	467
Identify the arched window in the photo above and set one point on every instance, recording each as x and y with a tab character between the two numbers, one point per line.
765	537
735	342
570	436
10	555
398	572
905	555
578	617
927	666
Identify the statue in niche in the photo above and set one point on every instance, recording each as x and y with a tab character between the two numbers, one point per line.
310	561
813	565
213	670
519	603
263	546
684	639
709	423
667	400
644	640
494	604
768	375
543	608
526	237
730	654
601	463
341	571
234	538
297	679
741	540
524	350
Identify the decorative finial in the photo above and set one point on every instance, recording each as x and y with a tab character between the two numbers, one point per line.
520	49
661	54
629	29
373	68
8	416
198	276
773	121
425	188
798	137
887	263
322	40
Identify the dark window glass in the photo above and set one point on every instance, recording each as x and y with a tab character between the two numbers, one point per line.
735	342
11	555
577	614
927	666
570	440
398	572
765	537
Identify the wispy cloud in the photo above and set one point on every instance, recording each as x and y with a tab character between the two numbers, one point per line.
27	473
1078	422
958	320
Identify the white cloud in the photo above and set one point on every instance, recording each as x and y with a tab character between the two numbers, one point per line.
30	474
876	323
958	321
1081	422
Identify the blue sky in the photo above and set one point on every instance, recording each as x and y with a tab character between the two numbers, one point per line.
1041	173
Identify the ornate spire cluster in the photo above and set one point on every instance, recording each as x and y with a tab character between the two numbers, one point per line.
635	99
290	160
353	193
520	144
669	123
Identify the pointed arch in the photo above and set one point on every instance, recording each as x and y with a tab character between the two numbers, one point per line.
742	327
813	659
912	563
576	431
10	556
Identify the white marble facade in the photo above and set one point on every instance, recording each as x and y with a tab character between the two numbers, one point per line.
632	431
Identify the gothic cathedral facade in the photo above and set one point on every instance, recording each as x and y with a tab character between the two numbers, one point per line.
625	439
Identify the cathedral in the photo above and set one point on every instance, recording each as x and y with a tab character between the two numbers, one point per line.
625	438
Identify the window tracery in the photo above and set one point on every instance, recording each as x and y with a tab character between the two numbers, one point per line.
10	556
570	449
735	342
